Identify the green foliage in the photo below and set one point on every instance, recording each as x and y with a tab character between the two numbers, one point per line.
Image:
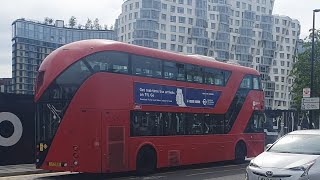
96	24
301	70
72	21
89	24
48	20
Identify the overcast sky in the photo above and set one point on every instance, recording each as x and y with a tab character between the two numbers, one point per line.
107	11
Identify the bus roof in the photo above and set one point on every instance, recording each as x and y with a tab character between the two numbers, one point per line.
68	54
86	47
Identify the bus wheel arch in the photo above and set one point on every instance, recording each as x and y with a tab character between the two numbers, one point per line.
240	152
146	159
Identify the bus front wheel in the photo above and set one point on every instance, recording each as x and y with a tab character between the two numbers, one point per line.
240	153
146	160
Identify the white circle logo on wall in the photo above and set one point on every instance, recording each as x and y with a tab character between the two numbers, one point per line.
17	132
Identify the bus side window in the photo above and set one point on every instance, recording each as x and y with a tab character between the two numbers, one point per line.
109	61
195	124
209	76
146	66
194	74
170	70
219	80
181	72
255	124
214	77
226	76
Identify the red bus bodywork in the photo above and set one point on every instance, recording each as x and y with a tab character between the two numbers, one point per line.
94	134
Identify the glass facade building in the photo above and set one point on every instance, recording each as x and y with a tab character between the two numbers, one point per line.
32	41
240	31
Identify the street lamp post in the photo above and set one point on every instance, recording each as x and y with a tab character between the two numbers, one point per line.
312	66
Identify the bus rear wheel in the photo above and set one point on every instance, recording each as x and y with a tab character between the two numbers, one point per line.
240	153
146	162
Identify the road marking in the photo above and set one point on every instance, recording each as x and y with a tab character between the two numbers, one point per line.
148	177
153	177
41	174
196	174
219	167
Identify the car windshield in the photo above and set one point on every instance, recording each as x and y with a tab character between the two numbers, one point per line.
298	144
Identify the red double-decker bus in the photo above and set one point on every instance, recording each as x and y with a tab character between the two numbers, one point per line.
105	106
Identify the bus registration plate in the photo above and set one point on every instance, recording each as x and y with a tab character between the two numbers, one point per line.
55	164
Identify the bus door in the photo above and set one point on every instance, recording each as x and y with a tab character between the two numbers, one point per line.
113	135
89	140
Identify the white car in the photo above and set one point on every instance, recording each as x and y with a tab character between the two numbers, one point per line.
295	156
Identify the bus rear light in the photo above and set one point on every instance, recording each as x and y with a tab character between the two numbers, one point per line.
37	160
75	148
75	155
65	165
75	163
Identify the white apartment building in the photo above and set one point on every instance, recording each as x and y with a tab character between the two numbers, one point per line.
286	33
228	30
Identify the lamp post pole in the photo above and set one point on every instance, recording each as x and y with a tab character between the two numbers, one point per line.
312	66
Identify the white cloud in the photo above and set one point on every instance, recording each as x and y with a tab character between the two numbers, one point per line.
5	71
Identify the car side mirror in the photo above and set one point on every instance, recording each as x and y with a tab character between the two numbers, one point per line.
267	146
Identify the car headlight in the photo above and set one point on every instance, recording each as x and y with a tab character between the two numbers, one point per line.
305	168
252	164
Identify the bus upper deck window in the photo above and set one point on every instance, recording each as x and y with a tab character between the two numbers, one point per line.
246	82
256	83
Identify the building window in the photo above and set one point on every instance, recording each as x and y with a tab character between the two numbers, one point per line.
173	37
173	28
172	18
182	20
163	16
189	49
180	10
163	46
173	47
172	9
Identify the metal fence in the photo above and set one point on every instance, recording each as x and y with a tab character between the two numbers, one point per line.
281	122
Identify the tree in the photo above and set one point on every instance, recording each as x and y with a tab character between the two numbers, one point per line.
301	70
111	27
80	26
48	20
72	21
88	24
96	24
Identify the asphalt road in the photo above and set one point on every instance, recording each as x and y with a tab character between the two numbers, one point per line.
216	171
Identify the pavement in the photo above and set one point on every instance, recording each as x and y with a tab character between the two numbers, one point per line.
27	169
20	169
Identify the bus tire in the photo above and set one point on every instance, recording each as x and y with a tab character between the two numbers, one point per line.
146	162
240	153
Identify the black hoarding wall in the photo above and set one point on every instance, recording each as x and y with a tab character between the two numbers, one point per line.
17	129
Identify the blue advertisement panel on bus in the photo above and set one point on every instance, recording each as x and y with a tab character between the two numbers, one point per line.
154	94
